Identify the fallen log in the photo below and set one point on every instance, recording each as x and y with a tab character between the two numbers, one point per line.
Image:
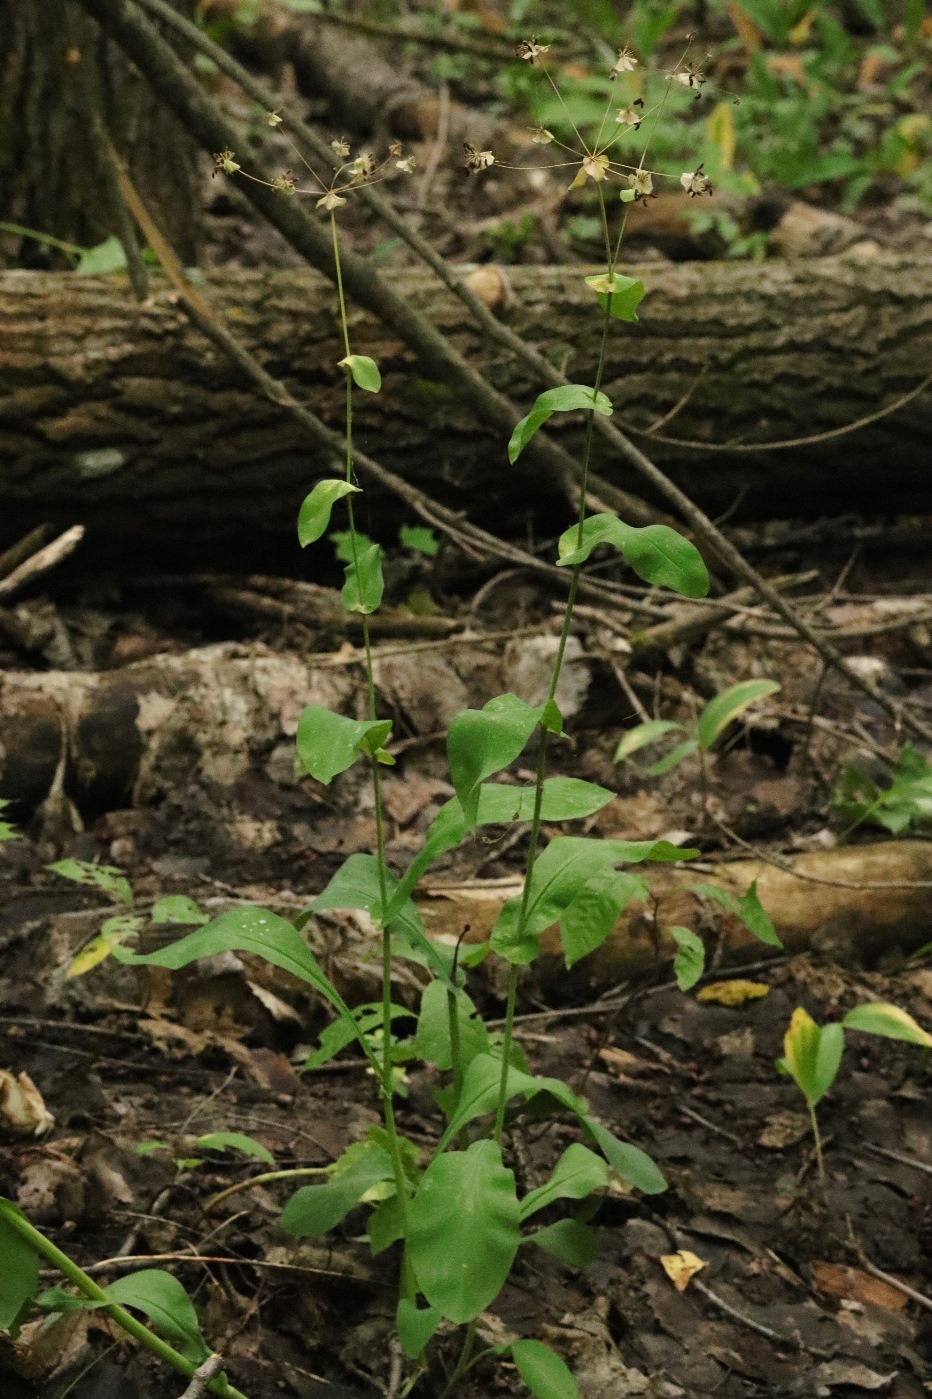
850	904
119	415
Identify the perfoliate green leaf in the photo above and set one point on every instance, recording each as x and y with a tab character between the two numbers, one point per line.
415	1326
357	884
329	743
812	1054
756	918
721	710
689	962
657	553
464	1230
236	1141
177	908
167	1305
550	718
481	742
592	913
564	869
103	258
108	878
878	1018
19	1275
579	1172
113	932
627	196
364	586
670	760
619	295
748	908
432	1041
386	1225
481	1087
643	734
344	541
567	398
364	370
543	1371
629	1162
573	1242
314	515
419	538
315	1209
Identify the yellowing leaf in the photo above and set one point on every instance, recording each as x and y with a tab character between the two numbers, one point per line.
113	933
720	129
681	1267
879	1018
733	993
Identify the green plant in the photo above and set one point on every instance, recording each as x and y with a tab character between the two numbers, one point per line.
906	802
812	1053
456	1218
715	717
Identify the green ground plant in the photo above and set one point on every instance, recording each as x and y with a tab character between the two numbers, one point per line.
454	1217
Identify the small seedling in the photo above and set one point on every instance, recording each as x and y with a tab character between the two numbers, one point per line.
711	724
812	1053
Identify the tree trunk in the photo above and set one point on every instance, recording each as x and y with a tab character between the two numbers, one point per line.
122	418
58	76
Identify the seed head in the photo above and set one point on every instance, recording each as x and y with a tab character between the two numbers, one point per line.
624	63
341	147
476	160
696	182
530	50
630	116
225	161
273	118
642	184
541	136
330	201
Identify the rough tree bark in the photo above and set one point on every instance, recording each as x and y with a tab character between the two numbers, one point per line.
55	69
120	416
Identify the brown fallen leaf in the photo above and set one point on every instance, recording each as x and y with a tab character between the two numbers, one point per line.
840	1281
681	1267
783	1129
22	1105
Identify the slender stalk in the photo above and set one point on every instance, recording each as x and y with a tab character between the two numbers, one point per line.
817	1139
124	1319
408	1286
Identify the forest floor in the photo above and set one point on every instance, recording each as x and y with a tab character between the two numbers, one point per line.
802	1292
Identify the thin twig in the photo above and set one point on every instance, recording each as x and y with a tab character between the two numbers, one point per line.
202	1377
788	868
897	1156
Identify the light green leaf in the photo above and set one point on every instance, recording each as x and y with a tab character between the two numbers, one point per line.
812	1054
364	586
329	743
419	538
878	1018
689	962
343	543
19	1275
657	553
550	717
748	908
629	1162
415	1326
236	1141
573	1242
113	932
671	760
481	742
561	872
643	734
592	913
365	372
721	710
314	515
463	1230
386	1225
339	1033
543	1371
567	398
108	878
102	259
164	1301
357	885
315	1209
618	294
177	908
578	1173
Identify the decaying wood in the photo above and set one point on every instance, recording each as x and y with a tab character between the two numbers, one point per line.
857	901
121	410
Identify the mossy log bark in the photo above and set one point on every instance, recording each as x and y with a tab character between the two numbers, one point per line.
58	76
122	417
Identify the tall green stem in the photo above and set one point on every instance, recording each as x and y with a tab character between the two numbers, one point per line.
385	1067
68	1268
541	769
